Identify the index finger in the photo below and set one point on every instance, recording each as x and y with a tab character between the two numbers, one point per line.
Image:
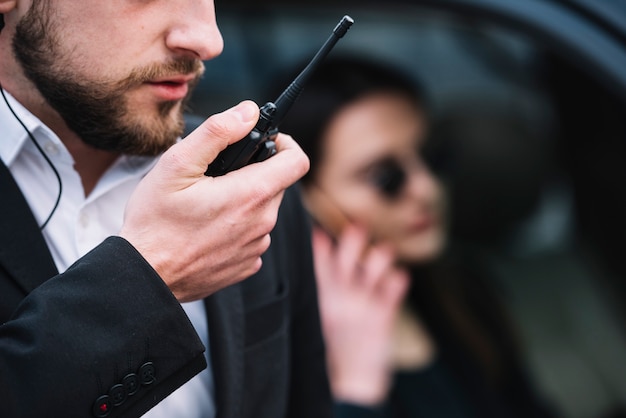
280	171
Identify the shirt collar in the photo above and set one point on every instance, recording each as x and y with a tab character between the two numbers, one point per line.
15	138
14	134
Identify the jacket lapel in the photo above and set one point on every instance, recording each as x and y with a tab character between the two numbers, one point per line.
226	334
23	251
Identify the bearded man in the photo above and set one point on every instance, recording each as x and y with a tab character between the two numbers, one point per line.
124	270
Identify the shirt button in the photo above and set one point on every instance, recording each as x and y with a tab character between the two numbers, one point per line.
51	148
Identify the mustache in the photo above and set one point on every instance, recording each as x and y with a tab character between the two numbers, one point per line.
163	70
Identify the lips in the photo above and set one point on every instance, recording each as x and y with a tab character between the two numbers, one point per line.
171	88
424	223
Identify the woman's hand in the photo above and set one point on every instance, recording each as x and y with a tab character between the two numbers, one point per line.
360	295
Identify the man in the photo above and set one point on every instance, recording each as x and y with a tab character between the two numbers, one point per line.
118	269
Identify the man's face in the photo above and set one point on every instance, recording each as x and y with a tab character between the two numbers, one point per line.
118	72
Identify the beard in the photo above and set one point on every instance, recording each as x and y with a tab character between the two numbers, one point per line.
98	110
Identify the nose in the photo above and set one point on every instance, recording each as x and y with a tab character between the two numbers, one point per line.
195	31
422	183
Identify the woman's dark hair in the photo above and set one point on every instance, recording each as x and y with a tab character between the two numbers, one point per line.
336	83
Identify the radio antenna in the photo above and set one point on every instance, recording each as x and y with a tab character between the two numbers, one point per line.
259	144
291	93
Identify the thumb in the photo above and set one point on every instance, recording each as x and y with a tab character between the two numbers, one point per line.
200	147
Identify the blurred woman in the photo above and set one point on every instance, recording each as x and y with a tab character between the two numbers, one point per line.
411	330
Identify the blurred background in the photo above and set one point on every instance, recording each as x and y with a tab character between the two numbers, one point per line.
528	105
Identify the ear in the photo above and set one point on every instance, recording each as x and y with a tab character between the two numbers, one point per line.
7	5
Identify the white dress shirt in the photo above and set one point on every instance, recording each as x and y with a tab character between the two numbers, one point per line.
80	222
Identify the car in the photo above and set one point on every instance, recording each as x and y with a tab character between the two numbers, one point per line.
528	105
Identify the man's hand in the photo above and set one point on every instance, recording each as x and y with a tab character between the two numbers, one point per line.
202	233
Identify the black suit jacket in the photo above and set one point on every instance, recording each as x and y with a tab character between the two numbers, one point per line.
107	337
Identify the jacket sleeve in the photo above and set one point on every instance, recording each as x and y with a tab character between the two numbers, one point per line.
105	338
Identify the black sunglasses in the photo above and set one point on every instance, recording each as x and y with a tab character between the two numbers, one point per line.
388	177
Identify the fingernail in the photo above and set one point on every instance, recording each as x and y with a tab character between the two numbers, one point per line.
247	110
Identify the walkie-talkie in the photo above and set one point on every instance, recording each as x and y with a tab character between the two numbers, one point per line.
259	144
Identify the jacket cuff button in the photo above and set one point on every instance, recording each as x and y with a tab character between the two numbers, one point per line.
117	394
147	374
102	406
131	383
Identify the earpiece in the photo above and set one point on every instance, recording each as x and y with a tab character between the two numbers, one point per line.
32	138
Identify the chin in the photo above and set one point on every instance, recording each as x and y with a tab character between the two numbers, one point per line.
422	249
